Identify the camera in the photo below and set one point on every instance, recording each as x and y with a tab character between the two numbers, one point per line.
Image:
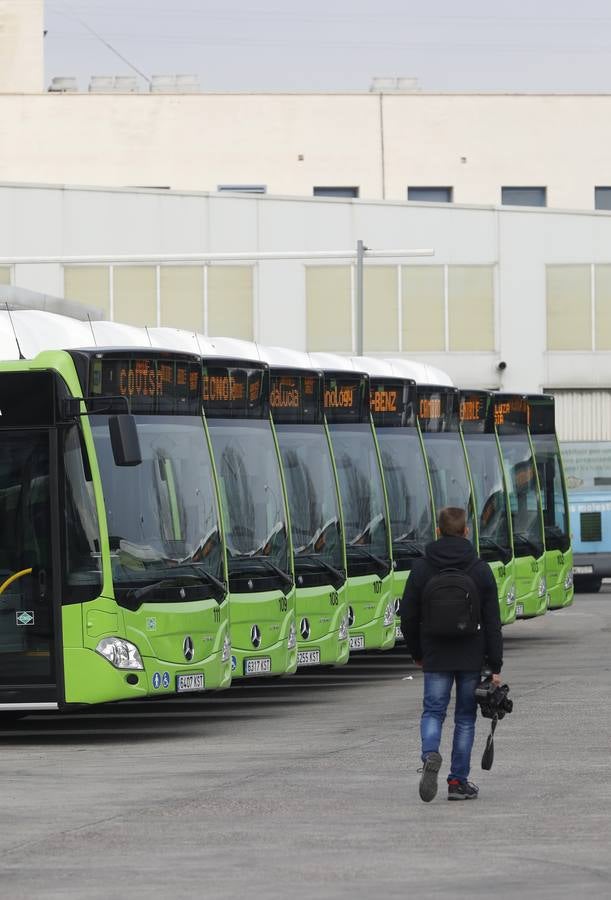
493	699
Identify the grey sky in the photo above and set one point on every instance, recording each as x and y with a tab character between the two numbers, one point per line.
339	44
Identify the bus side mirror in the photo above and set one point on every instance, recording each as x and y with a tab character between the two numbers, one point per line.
124	440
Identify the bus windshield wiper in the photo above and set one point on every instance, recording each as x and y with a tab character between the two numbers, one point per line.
137	594
284	576
526	540
220	586
384	564
411	546
491	544
339	574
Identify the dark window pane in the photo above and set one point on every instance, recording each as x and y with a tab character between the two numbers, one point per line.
602	198
336	192
430	194
524	196
243	188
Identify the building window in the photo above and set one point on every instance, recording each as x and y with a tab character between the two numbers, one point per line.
181	294
423	308
135	294
242	188
329	308
336	191
89	285
380	308
524	196
602	198
5	274
229	293
430	194
569	307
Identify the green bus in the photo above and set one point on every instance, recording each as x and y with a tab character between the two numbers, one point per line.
296	400
371	608
254	506
511	422
438	412
490	494
112	560
558	550
410	501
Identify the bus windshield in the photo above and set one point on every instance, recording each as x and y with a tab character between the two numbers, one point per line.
490	500
312	496
553	498
407	486
163	519
449	475
524	498
362	494
251	494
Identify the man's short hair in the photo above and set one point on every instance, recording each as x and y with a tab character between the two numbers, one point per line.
452	521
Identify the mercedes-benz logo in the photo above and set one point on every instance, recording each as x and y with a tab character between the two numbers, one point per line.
304	629
255	636
188	649
350	616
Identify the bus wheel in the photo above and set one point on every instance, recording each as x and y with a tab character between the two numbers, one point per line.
588	585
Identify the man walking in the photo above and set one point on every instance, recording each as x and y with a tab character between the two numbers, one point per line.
452	627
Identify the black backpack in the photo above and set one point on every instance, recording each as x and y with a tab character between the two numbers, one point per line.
451	604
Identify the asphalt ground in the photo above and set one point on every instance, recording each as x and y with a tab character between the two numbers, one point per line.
307	787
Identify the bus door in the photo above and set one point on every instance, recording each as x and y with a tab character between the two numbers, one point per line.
511	422
558	550
410	501
28	534
490	494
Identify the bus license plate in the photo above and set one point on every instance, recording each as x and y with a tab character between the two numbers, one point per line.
519	609
398	633
583	570
257	666
308	658
194	681
357	642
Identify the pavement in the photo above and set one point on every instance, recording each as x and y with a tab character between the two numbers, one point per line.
307	787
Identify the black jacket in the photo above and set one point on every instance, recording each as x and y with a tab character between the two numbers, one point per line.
461	654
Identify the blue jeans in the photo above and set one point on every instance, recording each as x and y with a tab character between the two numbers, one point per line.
437	689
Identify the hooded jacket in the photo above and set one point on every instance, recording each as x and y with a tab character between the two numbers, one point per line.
459	654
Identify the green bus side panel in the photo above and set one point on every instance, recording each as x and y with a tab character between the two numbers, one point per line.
529	600
369	597
399	582
325	608
272	613
504	575
559	569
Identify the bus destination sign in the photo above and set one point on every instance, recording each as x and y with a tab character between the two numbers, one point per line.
390	402
475	412
438	409
151	385
295	397
510	411
230	391
346	397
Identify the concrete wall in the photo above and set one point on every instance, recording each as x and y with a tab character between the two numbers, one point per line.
380	143
21	46
44	228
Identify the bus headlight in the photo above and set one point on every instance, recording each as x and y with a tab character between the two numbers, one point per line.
342	634
226	652
542	587
292	638
119	653
511	594
389	614
568	581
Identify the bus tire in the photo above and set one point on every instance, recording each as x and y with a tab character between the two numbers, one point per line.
588	585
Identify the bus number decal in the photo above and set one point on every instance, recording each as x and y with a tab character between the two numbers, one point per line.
333	598
217	614
377	587
283	603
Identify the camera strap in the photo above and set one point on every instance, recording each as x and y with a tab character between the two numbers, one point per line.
488	754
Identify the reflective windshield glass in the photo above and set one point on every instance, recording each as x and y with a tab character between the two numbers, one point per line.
555	514
162	515
523	495
82	534
407	487
312	496
362	494
448	471
251	493
490	499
